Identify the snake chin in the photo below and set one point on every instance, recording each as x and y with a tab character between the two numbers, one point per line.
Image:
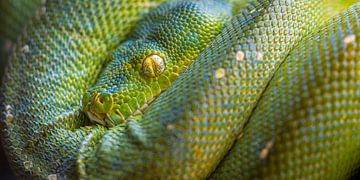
95	118
115	117
106	119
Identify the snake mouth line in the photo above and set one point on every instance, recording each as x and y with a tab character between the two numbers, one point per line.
95	118
109	119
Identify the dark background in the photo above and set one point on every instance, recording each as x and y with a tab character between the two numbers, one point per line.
5	171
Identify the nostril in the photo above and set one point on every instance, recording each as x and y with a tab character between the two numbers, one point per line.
105	98
102	103
101	100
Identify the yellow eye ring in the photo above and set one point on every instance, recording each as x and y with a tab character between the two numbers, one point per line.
153	65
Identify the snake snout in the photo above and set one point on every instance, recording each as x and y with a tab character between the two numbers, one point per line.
99	102
97	106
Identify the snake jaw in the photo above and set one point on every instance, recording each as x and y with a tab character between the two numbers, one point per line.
117	114
101	109
109	119
114	118
95	118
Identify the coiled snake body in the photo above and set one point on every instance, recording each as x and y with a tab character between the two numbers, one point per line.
190	89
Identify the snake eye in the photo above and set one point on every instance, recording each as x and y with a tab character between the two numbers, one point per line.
153	65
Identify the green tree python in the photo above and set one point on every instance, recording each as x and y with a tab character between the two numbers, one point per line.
216	89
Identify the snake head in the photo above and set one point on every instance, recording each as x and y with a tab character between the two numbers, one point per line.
136	75
164	43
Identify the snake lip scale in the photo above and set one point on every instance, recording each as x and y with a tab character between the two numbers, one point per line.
103	118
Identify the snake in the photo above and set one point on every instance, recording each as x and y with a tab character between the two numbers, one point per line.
184	89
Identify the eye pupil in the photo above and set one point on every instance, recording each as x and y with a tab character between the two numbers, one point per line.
153	65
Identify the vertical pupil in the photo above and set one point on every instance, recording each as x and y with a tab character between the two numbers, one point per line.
153	65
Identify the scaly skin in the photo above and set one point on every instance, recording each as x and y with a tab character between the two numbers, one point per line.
307	122
71	44
128	83
239	99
